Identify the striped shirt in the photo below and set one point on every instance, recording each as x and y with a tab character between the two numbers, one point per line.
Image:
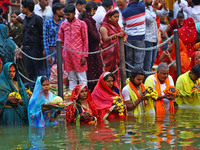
134	21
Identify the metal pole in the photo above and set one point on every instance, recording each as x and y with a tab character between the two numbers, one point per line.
177	51
59	67
122	62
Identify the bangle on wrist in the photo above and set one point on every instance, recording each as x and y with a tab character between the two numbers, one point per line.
134	104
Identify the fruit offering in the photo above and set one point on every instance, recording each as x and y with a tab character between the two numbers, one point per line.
28	92
57	102
152	93
196	87
171	90
119	104
16	95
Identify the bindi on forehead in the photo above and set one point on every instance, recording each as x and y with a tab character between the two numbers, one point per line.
12	68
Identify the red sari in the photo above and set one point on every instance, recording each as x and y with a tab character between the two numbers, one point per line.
71	109
103	98
188	35
111	56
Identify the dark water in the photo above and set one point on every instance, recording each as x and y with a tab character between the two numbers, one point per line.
178	131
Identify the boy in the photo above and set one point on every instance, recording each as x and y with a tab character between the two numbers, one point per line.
73	34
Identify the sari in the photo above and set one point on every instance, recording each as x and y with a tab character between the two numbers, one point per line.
36	117
185	62
103	98
7	46
15	115
74	110
186	95
194	59
188	35
110	57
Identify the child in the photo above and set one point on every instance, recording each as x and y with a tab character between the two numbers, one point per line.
74	36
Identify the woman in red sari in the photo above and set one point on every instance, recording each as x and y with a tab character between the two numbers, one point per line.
169	56
110	31
103	96
188	35
82	108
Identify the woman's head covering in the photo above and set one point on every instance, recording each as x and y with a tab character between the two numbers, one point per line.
35	115
102	95
188	34
194	59
7	46
71	109
107	22
7	87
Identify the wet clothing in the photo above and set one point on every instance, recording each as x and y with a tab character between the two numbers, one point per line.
13	114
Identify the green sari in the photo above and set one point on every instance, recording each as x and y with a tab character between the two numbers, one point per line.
16	115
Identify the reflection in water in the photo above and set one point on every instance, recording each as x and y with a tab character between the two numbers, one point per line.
170	131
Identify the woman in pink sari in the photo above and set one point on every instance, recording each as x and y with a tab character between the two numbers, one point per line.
110	31
188	35
103	96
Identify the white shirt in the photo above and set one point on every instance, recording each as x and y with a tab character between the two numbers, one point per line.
38	11
163	87
126	95
77	13
120	21
151	34
48	15
192	12
177	8
99	16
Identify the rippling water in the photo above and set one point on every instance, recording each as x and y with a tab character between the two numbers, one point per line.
178	131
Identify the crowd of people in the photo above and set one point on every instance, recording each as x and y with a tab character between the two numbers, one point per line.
88	27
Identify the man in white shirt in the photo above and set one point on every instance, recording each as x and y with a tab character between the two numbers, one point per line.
101	12
122	4
80	5
151	35
176	7
40	9
193	12
161	79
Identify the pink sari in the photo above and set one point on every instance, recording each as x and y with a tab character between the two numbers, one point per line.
111	56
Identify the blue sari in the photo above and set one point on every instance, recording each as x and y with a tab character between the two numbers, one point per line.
15	115
36	117
7	46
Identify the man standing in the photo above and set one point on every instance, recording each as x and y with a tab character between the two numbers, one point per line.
188	85
134	95
80	5
176	7
32	40
74	36
50	34
134	20
101	12
160	81
122	4
151	36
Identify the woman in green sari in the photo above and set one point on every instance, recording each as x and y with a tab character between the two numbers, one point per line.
13	111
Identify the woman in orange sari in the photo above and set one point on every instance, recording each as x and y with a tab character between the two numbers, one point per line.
110	31
169	56
188	35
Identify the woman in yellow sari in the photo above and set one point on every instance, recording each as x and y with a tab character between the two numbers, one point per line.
188	85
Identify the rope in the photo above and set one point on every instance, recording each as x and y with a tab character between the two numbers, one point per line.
99	51
147	72
34	57
95	80
149	48
26	77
